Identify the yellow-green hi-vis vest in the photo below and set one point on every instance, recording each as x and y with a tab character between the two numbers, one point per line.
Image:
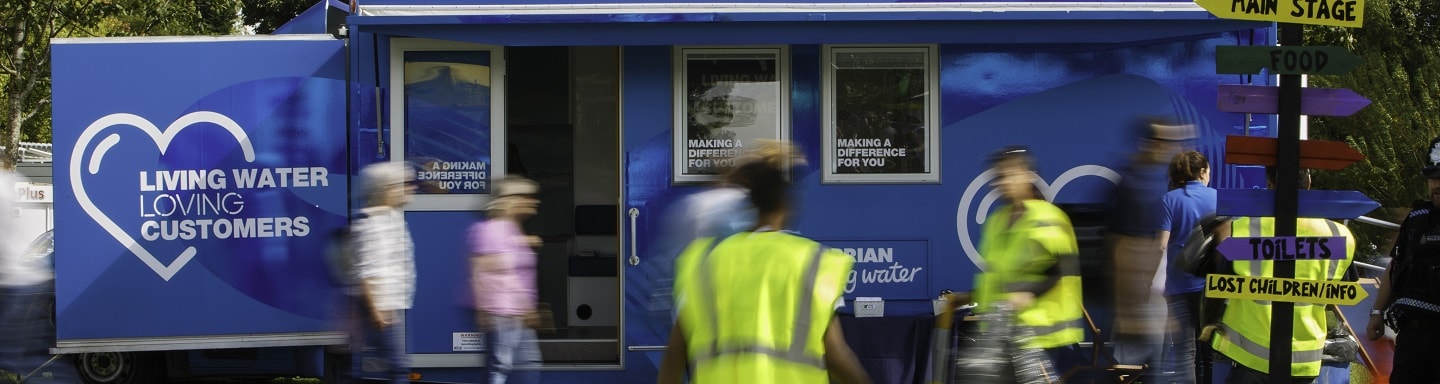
755	306
1244	334
1020	254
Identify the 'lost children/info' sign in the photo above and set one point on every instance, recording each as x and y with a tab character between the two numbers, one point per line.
1277	289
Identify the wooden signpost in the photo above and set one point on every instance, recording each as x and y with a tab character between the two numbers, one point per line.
1289	102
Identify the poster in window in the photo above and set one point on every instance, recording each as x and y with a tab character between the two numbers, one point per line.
731	99
447	120
880	112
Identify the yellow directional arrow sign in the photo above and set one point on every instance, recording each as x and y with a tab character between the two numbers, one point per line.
1338	13
1277	289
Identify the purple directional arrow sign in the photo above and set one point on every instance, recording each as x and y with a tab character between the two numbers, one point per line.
1318	204
1283	248
1313	101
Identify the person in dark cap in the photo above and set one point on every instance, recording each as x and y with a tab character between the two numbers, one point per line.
1135	246
1409	296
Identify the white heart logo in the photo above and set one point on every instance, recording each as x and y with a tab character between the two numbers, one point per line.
963	215
162	141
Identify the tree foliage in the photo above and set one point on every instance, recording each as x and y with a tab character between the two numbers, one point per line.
267	15
1400	46
26	27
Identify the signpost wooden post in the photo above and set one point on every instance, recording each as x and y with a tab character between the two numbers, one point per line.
1289	16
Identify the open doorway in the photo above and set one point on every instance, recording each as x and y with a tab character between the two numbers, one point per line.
562	130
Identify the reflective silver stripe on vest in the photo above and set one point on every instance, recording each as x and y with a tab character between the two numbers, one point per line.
1255	231
796	354
707	291
803	310
1046	330
1335	272
789	356
1253	348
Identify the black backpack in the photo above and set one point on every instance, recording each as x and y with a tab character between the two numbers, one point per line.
341	254
1200	258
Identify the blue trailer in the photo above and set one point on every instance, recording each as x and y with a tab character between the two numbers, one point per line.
241	152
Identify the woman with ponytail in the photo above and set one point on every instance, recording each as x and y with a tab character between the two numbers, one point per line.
1188	200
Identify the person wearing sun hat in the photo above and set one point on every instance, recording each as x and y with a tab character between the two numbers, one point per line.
1409	296
503	281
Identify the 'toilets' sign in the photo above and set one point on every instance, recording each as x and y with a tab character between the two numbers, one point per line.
1289	290
1283	248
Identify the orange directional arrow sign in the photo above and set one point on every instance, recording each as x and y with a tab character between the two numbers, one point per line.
1314	154
1338	13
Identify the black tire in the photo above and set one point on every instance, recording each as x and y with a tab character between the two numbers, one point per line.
121	368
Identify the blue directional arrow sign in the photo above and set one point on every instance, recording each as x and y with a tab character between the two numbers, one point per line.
1283	248
1316	204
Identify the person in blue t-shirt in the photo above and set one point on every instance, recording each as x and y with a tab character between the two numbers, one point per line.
1188	200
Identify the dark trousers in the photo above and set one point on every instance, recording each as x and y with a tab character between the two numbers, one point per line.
1240	374
1064	358
26	335
1415	357
1181	345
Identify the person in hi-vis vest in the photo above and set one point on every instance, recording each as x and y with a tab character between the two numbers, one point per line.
759	306
1031	260
1243	334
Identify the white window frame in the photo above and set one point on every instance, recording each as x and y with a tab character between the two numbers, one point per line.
448	202
679	133
932	116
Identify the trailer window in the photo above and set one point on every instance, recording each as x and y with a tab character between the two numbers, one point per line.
879	114
725	100
449	98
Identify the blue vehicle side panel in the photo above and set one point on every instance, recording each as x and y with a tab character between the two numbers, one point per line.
285	114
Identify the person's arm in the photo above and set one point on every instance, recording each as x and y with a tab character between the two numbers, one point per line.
1164	241
673	365
368	267
1376	326
840	360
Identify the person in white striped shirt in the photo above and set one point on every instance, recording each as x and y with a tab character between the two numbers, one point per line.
385	261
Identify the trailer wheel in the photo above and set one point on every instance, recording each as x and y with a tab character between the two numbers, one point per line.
121	368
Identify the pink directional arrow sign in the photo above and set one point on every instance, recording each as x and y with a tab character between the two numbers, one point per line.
1283	248
1313	101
